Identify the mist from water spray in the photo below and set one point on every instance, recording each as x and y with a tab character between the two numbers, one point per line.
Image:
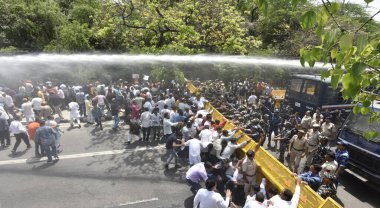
65	62
81	67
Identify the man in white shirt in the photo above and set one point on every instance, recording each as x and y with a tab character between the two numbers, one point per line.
139	101
200	102
61	94
306	121
258	202
206	137
208	198
74	113
27	110
20	133
252	100
167	125
194	151
148	104
231	147
36	104
286	199
8	104
170	101
160	104
146	124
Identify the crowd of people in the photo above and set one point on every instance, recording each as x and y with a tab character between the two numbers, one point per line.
170	113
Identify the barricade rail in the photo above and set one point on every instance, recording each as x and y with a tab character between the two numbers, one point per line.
276	173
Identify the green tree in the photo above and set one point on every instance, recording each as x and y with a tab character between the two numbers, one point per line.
29	25
186	27
167	74
72	37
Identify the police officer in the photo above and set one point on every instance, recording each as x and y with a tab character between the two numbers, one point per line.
341	156
284	137
297	147
327	189
312	138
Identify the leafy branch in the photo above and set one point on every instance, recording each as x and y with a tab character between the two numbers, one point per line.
370	19
332	16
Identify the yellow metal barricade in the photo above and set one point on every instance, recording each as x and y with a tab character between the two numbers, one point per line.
276	173
329	203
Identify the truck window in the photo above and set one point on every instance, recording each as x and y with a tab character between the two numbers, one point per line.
359	125
296	85
332	97
310	87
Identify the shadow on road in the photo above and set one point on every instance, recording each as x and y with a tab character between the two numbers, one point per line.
188	203
18	154
43	166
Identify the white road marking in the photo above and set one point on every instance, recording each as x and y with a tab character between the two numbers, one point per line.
139	202
82	155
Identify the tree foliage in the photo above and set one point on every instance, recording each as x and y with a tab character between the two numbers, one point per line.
167	74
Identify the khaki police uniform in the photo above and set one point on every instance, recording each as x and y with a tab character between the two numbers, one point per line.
249	168
298	147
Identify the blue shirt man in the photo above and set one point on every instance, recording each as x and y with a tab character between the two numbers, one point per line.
312	177
47	137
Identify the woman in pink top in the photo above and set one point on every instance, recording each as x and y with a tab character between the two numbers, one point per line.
135	111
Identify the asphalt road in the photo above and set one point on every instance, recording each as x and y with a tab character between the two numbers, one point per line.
95	170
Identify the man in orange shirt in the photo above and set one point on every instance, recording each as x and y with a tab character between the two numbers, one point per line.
32	128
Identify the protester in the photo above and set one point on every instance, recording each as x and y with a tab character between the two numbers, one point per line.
46	111
89	107
146	124
74	114
231	147
173	143
36	104
197	173
115	109
4	132
27	110
208	198
46	136
167	126
312	177
32	128
97	113
20	133
155	118
194	151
